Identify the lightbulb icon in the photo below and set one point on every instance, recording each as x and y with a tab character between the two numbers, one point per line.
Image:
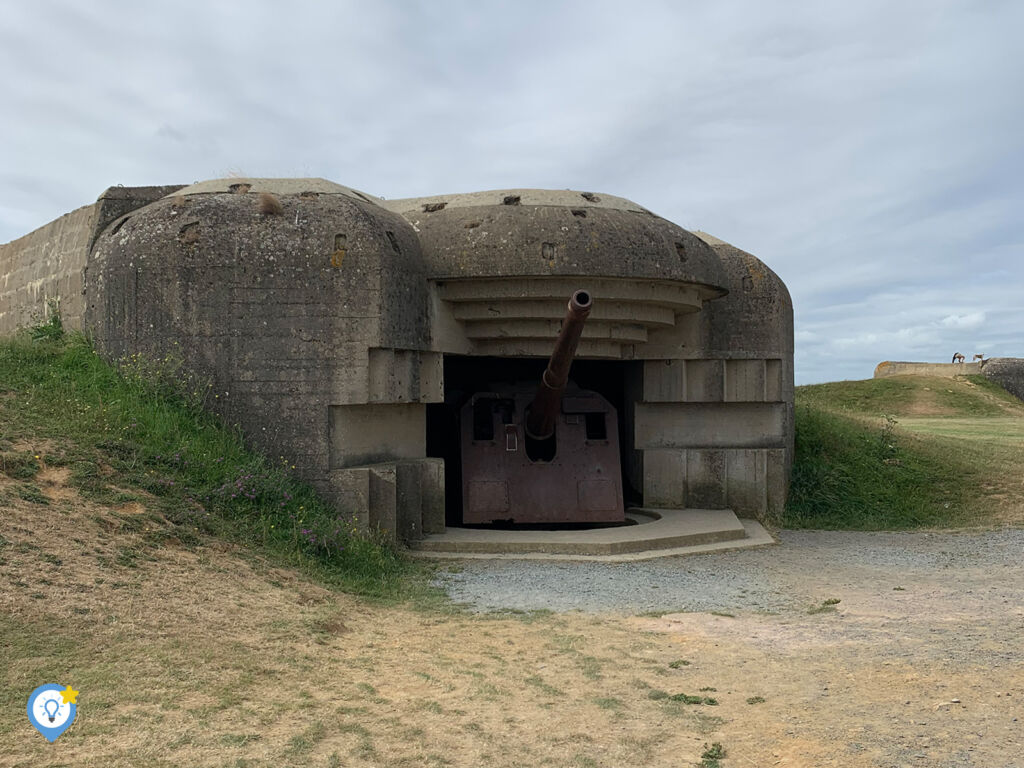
51	709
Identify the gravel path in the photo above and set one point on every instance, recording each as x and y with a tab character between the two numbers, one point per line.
885	650
804	566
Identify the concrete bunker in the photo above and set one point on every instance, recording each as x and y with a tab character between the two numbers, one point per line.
339	329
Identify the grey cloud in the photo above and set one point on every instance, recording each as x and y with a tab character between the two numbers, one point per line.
870	153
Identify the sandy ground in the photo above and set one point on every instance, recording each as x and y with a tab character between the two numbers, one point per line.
918	663
211	657
931	675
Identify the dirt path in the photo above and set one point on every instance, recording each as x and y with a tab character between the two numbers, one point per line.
927	676
918	663
210	657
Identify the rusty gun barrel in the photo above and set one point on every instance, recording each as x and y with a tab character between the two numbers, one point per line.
543	412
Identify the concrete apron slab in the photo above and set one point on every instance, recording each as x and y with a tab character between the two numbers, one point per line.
672	532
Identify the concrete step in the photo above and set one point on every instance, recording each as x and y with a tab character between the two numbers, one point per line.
658	533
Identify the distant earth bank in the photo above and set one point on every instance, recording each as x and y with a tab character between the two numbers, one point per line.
1008	372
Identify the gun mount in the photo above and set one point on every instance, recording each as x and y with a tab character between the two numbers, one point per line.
543	454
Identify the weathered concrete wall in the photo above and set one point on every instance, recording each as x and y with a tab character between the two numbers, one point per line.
310	324
49	263
942	370
728	373
46	265
1008	372
117	202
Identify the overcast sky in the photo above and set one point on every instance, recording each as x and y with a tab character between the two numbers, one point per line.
871	153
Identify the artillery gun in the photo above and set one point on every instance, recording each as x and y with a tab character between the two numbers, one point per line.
542	454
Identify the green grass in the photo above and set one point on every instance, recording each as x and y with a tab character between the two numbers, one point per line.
550	690
685	698
825	606
304	742
905	452
904	396
1006	431
712	755
30	493
140	431
872	396
850	474
19	465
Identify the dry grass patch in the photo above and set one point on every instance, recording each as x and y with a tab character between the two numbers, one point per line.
211	656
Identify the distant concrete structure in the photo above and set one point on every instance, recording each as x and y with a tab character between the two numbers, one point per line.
1008	372
940	370
341	330
50	262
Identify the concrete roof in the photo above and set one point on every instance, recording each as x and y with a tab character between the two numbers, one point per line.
709	239
555	197
527	197
277	187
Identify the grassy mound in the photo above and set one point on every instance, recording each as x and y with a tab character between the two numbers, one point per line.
849	475
950	459
139	434
969	396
